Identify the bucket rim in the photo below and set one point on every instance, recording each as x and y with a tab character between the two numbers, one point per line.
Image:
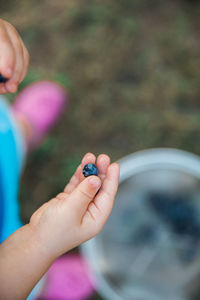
130	165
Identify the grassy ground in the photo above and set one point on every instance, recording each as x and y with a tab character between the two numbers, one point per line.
132	73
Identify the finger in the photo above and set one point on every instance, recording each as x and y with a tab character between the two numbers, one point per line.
105	198
74	181
26	62
62	196
89	158
83	194
7	54
77	177
12	84
103	161
3	89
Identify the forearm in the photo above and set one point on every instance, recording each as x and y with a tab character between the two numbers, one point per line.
23	261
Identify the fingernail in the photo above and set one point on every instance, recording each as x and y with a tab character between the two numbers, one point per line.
94	181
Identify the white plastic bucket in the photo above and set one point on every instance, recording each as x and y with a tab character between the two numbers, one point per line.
158	169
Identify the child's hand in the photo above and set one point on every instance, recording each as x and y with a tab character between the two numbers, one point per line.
64	222
79	213
14	58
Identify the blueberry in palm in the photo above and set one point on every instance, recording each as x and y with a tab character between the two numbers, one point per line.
90	169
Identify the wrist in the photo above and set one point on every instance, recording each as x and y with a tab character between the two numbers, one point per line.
42	242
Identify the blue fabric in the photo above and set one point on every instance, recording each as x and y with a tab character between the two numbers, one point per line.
1	202
10	174
12	154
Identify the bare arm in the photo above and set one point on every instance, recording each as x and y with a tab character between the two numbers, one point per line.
23	261
71	218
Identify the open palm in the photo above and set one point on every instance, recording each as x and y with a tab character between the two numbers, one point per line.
80	212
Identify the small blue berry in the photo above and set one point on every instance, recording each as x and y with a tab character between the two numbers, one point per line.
2	79
90	169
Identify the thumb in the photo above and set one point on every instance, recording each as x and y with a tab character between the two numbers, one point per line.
84	193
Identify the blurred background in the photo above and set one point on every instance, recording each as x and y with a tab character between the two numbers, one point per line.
132	73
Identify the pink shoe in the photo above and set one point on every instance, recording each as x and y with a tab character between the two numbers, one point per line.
41	104
68	279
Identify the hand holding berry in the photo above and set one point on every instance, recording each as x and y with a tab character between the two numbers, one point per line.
14	58
79	213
